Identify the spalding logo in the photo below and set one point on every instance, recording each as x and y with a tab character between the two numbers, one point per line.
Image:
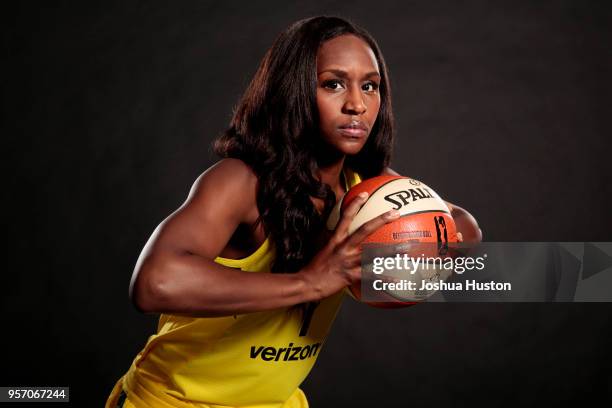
405	197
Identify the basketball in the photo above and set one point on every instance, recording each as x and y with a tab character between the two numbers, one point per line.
424	219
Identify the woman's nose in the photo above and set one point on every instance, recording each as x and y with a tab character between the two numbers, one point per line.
354	104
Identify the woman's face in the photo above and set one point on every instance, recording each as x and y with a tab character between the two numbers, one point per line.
348	98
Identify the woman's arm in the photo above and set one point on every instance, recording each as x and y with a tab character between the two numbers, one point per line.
176	272
465	222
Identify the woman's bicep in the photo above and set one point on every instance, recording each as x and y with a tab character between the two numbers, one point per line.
218	202
202	226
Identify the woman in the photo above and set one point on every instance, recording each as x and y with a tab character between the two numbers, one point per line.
315	119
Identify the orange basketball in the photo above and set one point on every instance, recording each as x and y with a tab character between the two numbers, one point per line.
424	218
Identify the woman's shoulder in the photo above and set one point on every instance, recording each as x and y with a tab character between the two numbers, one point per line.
226	177
387	171
230	170
228	185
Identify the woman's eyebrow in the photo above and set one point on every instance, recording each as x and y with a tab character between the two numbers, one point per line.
344	74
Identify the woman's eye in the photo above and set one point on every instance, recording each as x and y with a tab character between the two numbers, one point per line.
370	87
332	84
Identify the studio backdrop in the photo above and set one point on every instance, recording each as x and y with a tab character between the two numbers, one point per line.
109	114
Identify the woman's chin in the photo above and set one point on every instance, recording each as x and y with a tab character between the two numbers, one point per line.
341	147
350	147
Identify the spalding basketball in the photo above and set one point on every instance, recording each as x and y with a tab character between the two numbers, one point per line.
424	218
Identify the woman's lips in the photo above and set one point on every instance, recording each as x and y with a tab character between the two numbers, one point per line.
354	129
353	132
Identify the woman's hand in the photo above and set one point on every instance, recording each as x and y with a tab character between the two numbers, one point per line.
338	263
466	223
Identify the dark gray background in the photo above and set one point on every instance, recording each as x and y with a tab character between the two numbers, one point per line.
108	114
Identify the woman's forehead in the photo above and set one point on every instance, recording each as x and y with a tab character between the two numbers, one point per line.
346	52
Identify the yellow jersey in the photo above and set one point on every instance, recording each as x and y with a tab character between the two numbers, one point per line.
252	360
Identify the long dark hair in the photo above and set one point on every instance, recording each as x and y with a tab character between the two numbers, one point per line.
275	129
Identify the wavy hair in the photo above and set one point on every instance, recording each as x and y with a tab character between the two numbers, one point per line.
275	130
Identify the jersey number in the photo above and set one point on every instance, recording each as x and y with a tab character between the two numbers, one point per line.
307	317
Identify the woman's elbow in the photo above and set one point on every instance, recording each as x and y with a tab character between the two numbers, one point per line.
147	290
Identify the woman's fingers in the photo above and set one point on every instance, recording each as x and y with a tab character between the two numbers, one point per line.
353	261
371	226
348	215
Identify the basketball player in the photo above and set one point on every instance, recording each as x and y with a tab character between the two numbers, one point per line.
244	274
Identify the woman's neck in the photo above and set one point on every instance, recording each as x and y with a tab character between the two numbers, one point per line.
331	173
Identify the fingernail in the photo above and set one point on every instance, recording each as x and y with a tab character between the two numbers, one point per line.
392	214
